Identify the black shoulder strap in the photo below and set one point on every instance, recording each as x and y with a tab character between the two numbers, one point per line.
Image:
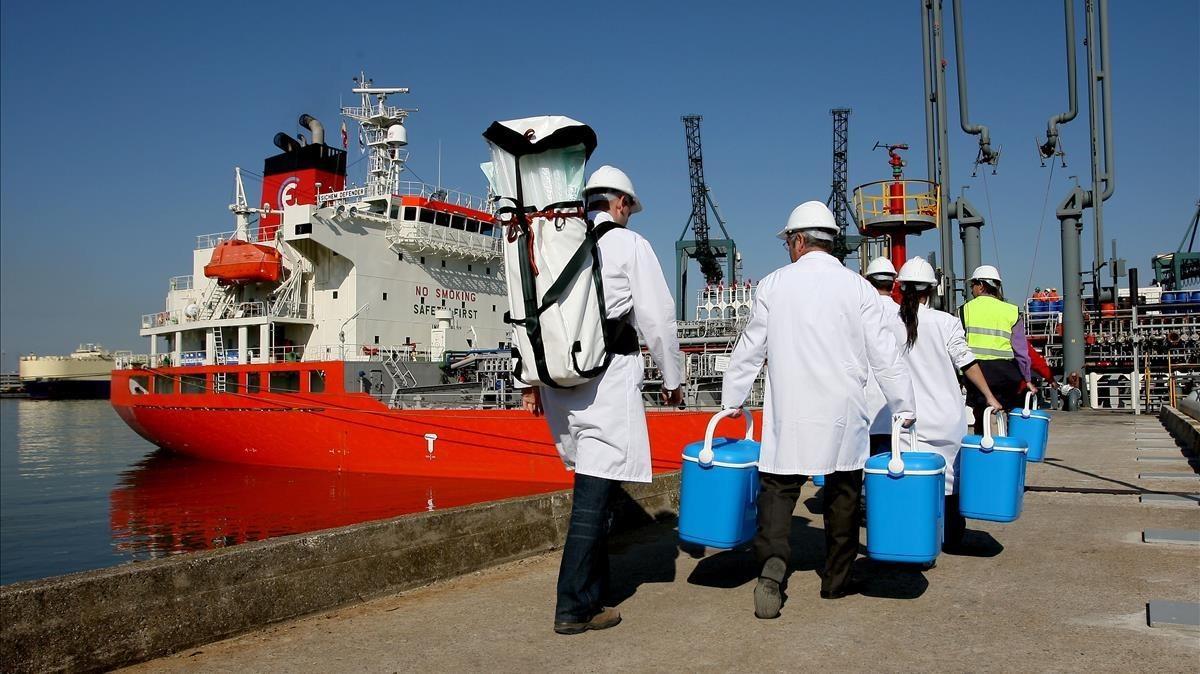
604	228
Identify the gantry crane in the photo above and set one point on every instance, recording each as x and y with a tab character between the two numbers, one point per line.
706	251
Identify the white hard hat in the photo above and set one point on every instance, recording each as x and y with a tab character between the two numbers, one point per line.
986	272
612	178
880	266
917	270
812	215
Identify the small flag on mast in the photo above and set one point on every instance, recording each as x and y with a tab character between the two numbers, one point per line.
345	136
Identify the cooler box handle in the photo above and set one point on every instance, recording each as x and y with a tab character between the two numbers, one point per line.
705	457
988	442
1030	405
896	463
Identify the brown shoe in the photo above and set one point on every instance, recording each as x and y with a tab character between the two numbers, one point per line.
606	618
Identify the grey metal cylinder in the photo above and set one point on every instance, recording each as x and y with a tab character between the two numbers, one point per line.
1072	296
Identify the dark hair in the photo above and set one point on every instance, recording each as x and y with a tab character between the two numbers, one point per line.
911	295
993	288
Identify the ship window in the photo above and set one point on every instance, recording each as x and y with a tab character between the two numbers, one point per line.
400	256
489	271
376	339
443	219
443	263
485	228
385	297
164	384
316	381
422	300
468	267
493	308
473	226
193	383
458	222
335	294
143	384
426	215
443	303
410	212
395	212
408	340
287	381
252	385
464	305
422	259
304	228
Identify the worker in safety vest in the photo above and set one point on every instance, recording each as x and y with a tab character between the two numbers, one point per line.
996	335
599	427
881	274
823	327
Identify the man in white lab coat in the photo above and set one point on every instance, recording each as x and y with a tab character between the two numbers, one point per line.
599	427
819	327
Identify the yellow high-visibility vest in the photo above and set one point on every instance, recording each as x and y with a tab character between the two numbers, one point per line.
988	323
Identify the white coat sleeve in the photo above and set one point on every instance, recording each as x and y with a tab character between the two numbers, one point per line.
748	354
886	359
956	346
654	313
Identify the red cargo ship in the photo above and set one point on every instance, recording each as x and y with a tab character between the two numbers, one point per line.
359	328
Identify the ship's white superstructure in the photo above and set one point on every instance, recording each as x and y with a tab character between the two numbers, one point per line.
364	272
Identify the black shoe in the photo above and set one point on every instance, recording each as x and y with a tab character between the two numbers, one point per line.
606	618
768	597
852	587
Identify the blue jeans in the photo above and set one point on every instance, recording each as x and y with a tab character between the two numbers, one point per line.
583	574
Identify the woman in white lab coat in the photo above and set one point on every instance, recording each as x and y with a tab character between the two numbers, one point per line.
936	351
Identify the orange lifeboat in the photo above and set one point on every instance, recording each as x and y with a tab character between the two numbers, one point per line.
237	261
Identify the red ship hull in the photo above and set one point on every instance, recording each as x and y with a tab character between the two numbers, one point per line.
337	431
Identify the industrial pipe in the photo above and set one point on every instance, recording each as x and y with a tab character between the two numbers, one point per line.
316	128
986	154
286	143
1051	143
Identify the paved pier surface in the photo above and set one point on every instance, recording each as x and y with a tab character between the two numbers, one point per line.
1065	587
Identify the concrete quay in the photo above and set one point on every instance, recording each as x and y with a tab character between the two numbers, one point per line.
1066	587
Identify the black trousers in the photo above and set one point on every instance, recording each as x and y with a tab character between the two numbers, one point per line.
881	443
1005	380
583	575
777	498
956	524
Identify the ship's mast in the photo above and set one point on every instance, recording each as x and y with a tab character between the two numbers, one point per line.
382	133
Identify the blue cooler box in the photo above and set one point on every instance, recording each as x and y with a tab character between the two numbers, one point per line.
906	512
991	478
719	489
1031	425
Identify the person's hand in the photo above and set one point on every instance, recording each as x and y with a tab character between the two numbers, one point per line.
735	412
995	404
531	400
1032	388
672	397
907	423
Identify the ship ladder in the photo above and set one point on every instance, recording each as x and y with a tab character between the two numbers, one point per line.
399	373
218	358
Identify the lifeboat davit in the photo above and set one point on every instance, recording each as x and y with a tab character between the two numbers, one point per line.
237	261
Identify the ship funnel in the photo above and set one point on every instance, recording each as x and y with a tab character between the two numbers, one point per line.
286	143
315	127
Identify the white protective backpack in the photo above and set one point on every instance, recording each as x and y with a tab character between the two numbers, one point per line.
561	337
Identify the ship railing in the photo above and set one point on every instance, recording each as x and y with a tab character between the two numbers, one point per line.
409	188
205	241
161	318
424	236
180	283
347	352
235	310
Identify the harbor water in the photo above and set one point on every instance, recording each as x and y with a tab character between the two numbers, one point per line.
79	490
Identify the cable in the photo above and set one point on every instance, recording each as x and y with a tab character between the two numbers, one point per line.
1037	242
987	194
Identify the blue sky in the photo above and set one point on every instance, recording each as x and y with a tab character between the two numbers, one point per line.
121	122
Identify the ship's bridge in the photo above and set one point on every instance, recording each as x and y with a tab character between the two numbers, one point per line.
444	222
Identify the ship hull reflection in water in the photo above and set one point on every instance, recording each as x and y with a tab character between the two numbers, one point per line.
169	504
